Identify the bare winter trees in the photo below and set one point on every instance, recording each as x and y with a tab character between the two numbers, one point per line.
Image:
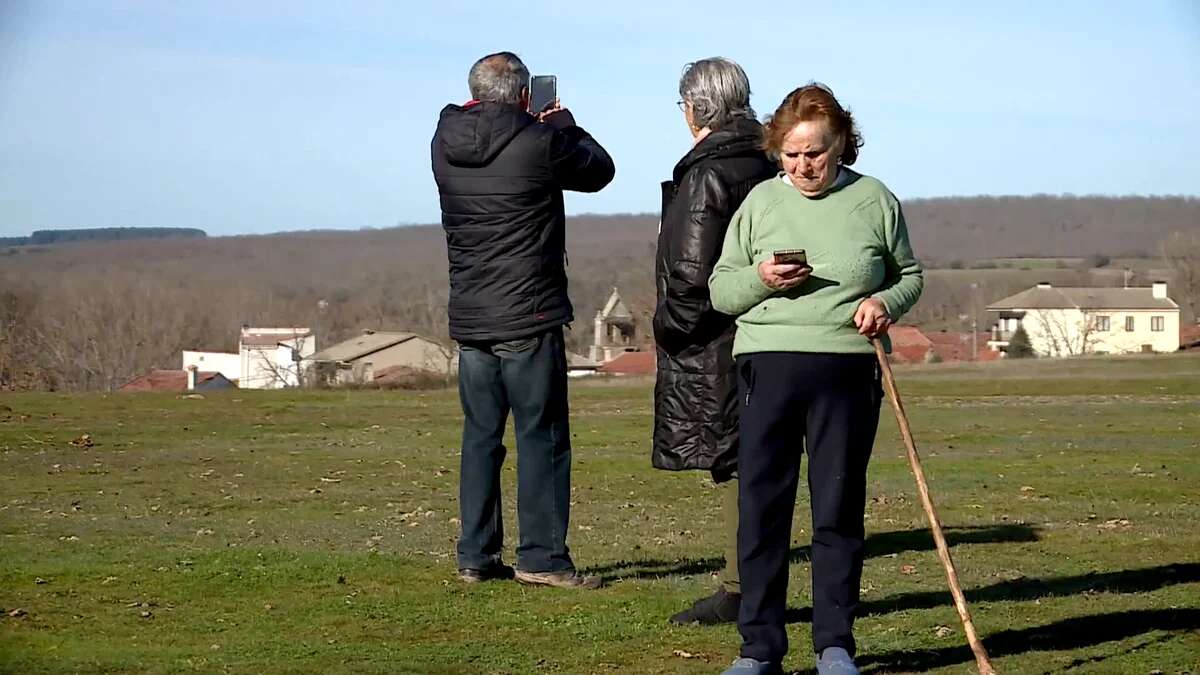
93	316
1181	253
17	370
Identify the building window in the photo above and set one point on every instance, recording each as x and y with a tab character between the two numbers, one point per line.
1102	324
1129	324
1156	324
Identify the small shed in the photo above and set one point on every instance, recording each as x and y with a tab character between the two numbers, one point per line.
178	380
360	359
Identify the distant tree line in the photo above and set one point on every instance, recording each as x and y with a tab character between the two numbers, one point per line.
93	315
972	228
48	237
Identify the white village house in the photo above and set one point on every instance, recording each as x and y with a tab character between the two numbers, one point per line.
227	364
1070	321
272	358
267	358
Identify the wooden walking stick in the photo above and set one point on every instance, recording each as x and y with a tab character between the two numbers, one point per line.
935	525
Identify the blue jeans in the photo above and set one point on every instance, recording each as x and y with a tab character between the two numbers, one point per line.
529	377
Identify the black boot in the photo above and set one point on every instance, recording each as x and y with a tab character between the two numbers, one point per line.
720	607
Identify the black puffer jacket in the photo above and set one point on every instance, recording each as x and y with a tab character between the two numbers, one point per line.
500	175
695	407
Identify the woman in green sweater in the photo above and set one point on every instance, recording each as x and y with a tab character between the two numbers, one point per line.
807	375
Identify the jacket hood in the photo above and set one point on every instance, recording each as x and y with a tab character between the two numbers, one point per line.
741	137
474	134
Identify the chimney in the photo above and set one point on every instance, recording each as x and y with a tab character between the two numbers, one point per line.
191	377
1043	284
1159	290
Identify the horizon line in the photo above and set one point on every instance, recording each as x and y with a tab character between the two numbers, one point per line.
594	214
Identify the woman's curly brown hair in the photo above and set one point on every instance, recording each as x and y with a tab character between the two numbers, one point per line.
812	102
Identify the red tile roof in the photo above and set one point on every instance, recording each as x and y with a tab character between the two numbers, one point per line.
953	346
631	363
165	380
1189	336
908	336
904	354
909	344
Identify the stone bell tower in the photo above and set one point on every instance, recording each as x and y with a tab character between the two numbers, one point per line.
615	331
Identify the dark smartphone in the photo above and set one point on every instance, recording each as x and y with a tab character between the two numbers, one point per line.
791	256
543	92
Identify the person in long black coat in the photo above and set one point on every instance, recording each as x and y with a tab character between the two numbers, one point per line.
695	407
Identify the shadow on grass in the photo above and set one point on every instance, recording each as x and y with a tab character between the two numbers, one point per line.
1127	581
1068	634
877	545
1074	633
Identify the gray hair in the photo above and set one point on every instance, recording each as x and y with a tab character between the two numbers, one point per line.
718	90
499	77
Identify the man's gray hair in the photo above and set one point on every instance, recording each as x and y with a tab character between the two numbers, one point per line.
500	78
718	90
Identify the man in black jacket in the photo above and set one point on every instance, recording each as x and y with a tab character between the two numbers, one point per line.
500	173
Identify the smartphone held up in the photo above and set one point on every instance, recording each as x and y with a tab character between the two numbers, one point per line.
791	256
543	93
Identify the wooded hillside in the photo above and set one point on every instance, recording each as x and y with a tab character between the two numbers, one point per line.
92	315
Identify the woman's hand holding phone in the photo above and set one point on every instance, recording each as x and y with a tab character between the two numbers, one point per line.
782	276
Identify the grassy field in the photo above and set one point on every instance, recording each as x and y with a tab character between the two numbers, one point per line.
313	532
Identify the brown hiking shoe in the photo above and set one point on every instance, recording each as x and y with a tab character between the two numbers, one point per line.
565	579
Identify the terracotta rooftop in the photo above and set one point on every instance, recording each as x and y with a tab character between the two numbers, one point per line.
1189	336
955	346
908	336
167	380
632	363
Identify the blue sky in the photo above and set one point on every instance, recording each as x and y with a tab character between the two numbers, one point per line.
249	117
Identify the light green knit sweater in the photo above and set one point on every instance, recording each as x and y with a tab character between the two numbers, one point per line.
858	247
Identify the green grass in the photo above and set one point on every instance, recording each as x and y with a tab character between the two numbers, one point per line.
314	532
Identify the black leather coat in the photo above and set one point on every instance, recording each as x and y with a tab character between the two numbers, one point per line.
695	407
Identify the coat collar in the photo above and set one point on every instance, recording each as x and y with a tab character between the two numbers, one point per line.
740	137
